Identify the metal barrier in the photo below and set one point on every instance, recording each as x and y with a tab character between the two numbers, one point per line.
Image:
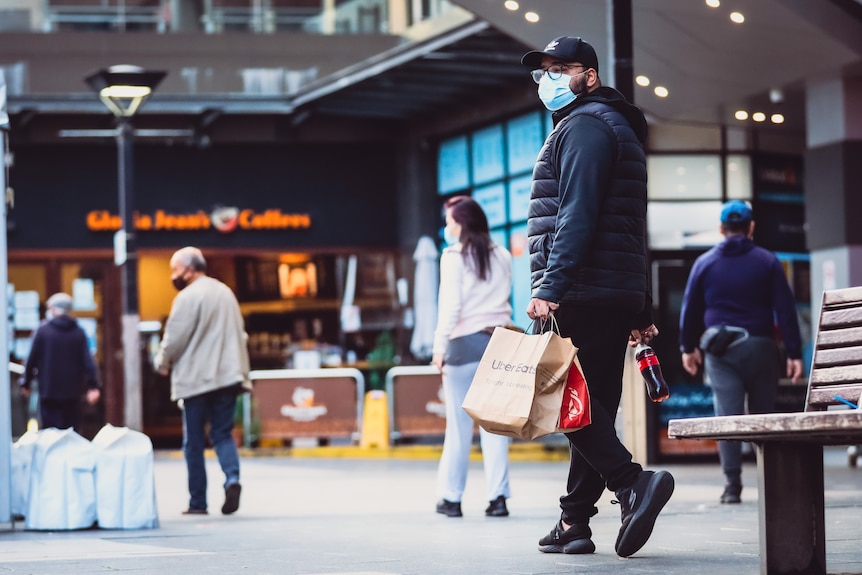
416	405
293	403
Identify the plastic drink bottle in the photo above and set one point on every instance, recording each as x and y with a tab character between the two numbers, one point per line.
656	386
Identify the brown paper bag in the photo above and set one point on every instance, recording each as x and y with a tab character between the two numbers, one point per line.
518	387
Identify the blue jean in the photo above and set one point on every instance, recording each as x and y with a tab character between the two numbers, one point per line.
455	459
216	407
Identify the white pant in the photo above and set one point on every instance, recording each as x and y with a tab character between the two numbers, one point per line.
452	472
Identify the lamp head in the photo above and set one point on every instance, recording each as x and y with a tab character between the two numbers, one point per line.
124	88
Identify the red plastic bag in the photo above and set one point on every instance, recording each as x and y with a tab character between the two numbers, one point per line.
575	412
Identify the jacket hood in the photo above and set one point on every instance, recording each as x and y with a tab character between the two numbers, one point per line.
63	322
616	100
736	245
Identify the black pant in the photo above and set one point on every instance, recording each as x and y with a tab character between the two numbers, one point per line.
60	413
598	459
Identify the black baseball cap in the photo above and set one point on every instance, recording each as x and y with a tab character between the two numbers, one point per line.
564	49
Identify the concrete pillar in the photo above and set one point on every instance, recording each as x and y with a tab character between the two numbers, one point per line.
833	170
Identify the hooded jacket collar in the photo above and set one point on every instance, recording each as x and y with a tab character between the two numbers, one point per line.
736	245
616	100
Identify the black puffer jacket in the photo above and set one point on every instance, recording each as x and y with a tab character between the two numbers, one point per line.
587	215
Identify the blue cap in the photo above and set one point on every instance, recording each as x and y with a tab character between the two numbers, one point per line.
736	211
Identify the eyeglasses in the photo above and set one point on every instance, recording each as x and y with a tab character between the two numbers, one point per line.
554	71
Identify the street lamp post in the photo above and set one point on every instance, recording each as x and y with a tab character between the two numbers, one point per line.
123	90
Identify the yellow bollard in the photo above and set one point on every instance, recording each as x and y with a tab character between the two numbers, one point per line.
375	421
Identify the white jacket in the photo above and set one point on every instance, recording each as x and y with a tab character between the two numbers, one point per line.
466	304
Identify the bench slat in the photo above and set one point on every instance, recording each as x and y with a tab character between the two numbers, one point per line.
842	296
821	397
843	317
839	337
838	356
837	427
839	374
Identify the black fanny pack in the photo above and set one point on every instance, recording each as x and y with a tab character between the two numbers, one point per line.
718	339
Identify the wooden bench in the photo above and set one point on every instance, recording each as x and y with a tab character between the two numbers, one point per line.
789	446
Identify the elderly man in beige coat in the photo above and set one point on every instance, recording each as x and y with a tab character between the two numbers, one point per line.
204	350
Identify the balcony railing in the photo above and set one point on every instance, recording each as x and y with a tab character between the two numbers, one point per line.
212	16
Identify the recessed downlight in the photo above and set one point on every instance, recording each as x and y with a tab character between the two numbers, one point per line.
713	3
642	80
737	17
661	91
531	17
758	117
511	5
777	118
741	115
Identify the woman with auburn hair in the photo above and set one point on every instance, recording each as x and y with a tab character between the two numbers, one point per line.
475	288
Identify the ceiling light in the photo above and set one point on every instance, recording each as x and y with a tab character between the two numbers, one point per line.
713	3
777	118
531	17
661	91
642	81
511	5
741	115
737	17
776	96
758	117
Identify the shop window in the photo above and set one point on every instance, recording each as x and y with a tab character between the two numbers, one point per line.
492	199
524	137
520	274
452	166
677	177
519	197
738	177
681	225
487	154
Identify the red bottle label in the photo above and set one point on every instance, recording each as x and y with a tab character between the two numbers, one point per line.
647	360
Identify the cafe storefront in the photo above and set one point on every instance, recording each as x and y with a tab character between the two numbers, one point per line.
282	225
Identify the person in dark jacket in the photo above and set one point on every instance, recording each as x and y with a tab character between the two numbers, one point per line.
586	230
61	362
736	293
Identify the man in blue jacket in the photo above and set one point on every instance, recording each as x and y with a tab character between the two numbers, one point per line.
60	360
735	295
588	259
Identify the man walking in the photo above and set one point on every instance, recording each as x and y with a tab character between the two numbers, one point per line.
588	258
61	362
736	291
204	350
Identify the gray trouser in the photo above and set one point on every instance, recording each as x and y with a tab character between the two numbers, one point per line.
749	368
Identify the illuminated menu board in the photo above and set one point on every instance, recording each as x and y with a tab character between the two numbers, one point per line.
488	154
519	197
453	172
493	201
524	137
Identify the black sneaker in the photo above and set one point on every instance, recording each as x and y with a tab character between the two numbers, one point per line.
231	498
497	508
732	492
640	505
574	540
449	508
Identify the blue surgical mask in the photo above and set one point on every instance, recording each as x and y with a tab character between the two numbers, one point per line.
449	236
556	94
